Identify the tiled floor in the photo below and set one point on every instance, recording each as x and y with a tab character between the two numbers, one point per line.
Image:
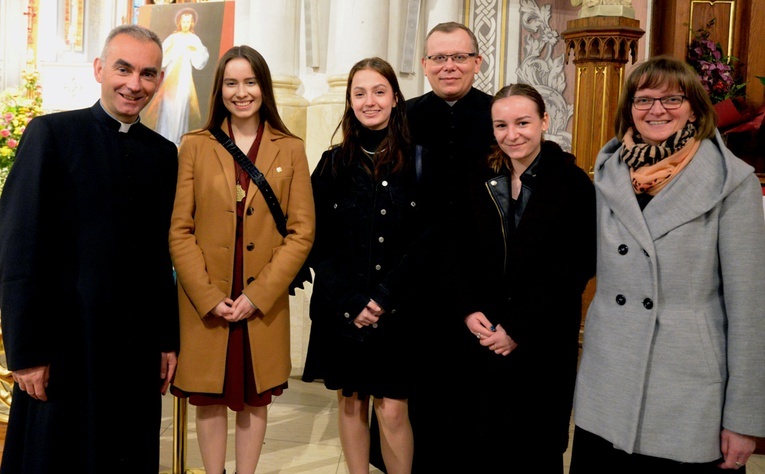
301	436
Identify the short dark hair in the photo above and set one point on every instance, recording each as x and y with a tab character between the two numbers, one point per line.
449	27
268	111
667	71
135	31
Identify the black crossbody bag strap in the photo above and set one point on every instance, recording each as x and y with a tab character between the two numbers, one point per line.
257	178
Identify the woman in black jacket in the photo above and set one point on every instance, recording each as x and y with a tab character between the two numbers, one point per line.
368	218
528	255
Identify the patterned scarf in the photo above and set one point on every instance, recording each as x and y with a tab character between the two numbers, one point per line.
653	166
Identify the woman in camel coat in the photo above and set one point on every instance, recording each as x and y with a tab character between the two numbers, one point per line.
234	267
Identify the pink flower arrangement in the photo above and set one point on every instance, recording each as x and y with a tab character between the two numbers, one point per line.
17	107
716	71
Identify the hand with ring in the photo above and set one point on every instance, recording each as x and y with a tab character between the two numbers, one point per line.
736	449
492	337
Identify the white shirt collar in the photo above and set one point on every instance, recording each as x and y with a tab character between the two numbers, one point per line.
124	127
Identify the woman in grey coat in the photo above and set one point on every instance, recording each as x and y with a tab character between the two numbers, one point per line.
671	376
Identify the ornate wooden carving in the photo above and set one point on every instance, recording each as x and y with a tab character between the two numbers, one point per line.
601	46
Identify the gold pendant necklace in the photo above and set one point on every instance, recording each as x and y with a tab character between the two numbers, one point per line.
240	194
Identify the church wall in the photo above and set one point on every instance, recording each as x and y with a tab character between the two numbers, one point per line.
520	40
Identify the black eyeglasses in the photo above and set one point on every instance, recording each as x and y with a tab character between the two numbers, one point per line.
669	102
458	58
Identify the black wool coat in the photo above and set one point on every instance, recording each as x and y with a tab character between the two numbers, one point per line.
86	286
529	279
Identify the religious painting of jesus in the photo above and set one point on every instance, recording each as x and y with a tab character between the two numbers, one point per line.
193	38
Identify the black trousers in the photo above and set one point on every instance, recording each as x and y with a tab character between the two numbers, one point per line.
593	454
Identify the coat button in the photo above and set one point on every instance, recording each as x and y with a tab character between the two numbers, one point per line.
250	280
374	325
493	182
250	246
334	206
383	211
623	249
413	204
378	267
381	239
250	211
620	300
384	183
647	303
393	311
347	315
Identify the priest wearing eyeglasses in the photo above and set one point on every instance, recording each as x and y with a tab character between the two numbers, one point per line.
452	124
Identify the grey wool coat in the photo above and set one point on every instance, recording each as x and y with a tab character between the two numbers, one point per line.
674	340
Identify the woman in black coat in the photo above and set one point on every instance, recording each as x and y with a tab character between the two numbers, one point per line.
368	218
529	252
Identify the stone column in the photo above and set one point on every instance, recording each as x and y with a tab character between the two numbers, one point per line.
357	29
272	29
13	25
601	46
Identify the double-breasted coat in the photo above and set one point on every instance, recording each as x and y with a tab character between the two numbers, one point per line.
202	245
86	287
674	340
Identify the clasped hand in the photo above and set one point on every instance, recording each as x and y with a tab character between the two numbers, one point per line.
233	311
495	338
369	315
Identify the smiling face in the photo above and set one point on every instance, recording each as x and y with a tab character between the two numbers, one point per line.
129	76
450	81
240	91
372	99
518	128
657	124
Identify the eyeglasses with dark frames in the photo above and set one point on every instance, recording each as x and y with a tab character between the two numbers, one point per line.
669	102
459	58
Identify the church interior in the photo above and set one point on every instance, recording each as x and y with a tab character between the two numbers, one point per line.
576	53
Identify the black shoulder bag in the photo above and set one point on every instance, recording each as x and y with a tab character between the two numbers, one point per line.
257	178
268	193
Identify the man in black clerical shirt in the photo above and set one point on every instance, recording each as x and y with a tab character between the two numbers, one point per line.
89	305
453	125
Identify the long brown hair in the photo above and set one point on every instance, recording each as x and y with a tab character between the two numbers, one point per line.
397	143
268	111
497	158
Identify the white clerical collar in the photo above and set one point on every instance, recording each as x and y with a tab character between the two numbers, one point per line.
124	127
451	102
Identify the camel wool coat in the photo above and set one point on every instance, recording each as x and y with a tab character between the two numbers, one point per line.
202	245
